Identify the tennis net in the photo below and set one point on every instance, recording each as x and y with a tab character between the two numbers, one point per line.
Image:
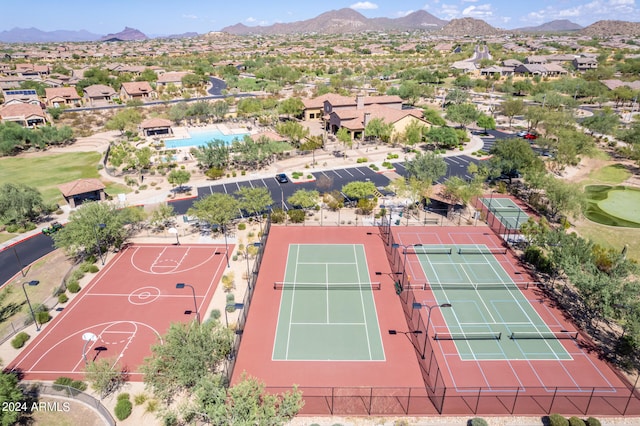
481	335
482	250
428	250
573	335
505	209
473	286
279	285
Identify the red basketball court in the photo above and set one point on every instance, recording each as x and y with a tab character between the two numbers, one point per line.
127	306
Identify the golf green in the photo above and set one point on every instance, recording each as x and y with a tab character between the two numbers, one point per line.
613	205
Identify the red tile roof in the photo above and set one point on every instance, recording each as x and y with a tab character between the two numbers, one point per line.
154	123
21	110
137	87
80	186
61	92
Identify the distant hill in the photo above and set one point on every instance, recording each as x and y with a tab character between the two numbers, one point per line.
611	28
343	21
557	26
128	34
469	27
34	35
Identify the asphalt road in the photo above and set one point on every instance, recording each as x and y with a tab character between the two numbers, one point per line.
25	253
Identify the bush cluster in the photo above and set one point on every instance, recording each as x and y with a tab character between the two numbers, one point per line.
63	298
43	317
20	339
123	407
537	258
362	160
68	382
477	421
73	286
296	215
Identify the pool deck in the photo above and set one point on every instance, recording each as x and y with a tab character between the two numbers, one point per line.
183	132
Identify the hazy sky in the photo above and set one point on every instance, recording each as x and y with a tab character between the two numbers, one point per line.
164	17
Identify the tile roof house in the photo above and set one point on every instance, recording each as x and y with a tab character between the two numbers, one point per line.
99	94
57	96
141	90
25	114
167	78
81	190
584	64
316	108
356	119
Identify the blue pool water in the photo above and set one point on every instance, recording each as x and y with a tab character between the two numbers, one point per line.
201	139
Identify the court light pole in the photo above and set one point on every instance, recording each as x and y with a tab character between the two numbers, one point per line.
195	302
417	305
407	333
19	261
95	228
404	259
31	283
226	244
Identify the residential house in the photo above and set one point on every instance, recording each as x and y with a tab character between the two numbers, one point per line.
167	78
535	60
356	119
24	96
496	70
25	114
468	67
584	64
59	96
320	107
99	94
531	69
140	90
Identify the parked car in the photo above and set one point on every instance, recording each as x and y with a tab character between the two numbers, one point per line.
522	133
55	227
531	136
282	178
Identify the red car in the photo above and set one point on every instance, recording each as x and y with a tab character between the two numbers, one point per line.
530	136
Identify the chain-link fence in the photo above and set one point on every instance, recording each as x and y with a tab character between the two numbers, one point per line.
36	389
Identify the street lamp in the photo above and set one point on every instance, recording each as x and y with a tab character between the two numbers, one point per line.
195	303
404	259
418	305
32	283
95	228
226	244
407	333
19	261
87	337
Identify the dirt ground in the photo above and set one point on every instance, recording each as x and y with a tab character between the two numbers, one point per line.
64	412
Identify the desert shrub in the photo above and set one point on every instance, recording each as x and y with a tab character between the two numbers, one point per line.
362	160
152	406
68	382
592	421
576	421
215	314
278	216
123	408
139	399
20	339
63	298
296	215
43	317
77	275
242	226
477	421
123	395
214	173
558	420
73	286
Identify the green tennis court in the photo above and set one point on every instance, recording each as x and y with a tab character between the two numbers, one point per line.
506	211
490	317
327	311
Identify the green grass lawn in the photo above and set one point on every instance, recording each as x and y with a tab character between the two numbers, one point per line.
613	174
47	172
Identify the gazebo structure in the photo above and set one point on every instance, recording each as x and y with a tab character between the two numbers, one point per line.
81	190
156	127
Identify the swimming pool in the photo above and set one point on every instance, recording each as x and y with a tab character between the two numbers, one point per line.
201	138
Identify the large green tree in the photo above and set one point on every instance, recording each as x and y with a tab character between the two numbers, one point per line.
512	107
445	137
178	178
126	119
510	156
304	199
357	189
185	354
254	200
486	122
10	393
215	154
377	128
464	114
426	167
291	107
603	122
216	209
292	130
95	224
19	203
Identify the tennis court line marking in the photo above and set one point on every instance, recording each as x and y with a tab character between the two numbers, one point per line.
328	263
326	280
293	296
479	295
329	323
364	314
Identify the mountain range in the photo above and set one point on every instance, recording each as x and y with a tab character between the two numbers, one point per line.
342	21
